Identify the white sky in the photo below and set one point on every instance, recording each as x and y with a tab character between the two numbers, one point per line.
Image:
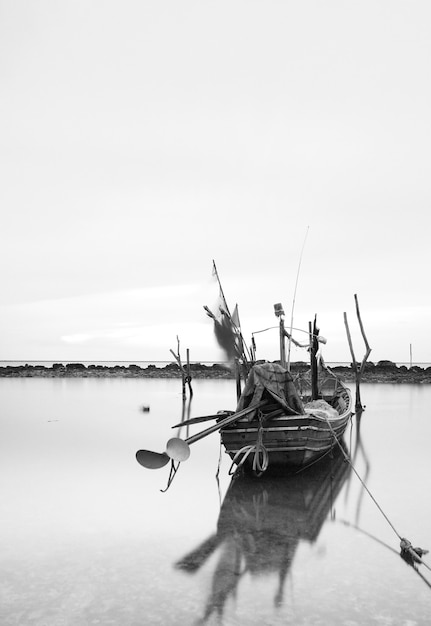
142	139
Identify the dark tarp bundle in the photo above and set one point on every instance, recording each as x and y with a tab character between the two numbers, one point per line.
277	382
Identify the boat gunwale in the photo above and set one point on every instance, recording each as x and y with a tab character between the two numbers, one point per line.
296	448
305	428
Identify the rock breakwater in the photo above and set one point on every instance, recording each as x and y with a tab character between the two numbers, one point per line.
381	372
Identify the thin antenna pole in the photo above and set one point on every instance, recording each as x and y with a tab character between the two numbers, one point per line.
294	299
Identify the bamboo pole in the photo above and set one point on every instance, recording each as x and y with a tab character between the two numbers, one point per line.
358	369
358	404
314	331
189	376
183	373
368	349
185	376
282	343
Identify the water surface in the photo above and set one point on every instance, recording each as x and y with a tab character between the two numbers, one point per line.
88	537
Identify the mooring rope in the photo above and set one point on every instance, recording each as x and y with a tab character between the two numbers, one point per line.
259	450
405	544
258	466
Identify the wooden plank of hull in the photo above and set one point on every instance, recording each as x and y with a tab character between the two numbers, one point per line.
290	425
281	435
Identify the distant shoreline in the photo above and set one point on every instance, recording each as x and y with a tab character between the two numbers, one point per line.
382	372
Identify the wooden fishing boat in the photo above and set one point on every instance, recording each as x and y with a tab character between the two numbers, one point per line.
282	419
301	420
303	416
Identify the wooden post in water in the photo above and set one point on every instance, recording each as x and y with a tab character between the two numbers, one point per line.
358	369
185	374
189	377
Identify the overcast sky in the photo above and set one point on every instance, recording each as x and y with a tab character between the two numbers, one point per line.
140	140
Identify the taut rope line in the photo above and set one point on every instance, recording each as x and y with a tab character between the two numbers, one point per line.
405	544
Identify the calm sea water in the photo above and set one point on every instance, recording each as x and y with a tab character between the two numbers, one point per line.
88	537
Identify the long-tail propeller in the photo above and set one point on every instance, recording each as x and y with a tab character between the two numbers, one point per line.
178	449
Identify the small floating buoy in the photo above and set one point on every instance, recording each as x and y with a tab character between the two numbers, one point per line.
146	409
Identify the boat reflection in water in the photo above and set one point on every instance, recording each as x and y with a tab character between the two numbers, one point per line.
262	522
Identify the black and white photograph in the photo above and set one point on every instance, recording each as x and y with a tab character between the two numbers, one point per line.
215	364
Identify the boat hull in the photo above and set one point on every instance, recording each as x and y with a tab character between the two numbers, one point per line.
287	440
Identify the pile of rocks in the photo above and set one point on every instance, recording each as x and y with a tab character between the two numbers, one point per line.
381	372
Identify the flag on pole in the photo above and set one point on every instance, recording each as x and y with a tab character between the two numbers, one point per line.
235	317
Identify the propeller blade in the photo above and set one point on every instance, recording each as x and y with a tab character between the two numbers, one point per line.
152	460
